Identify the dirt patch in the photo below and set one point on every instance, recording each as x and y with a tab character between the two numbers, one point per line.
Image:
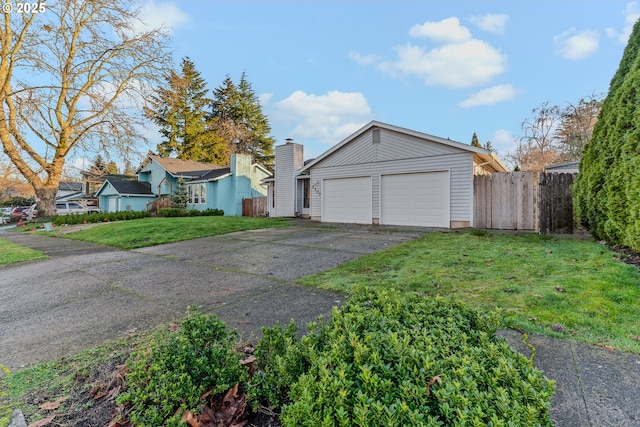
627	255
92	403
65	228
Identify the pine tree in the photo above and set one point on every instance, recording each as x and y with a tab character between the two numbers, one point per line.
474	141
99	167
607	189
238	116
180	110
179	198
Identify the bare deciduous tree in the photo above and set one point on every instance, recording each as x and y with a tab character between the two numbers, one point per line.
73	75
576	126
538	145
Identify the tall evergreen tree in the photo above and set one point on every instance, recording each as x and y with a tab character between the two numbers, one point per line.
607	189
237	115
180	110
474	141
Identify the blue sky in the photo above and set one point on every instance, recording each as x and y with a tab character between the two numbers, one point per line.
323	69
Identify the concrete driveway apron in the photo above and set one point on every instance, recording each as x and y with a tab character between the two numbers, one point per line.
88	294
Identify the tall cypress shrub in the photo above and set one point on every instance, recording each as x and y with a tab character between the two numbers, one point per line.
607	189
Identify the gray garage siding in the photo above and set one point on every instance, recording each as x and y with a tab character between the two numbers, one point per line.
459	166
392	146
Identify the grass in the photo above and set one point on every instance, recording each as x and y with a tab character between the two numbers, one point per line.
11	253
69	377
537	281
156	231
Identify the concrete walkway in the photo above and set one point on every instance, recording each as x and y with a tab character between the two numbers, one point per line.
88	294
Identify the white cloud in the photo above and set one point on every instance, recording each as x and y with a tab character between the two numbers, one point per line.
165	15
493	23
471	63
631	15
329	118
503	141
446	31
265	98
363	59
490	96
574	46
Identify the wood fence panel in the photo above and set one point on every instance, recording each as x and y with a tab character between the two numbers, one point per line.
505	201
555	204
256	206
482	207
526	201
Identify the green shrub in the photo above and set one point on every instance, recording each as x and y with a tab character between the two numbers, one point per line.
92	218
179	367
279	363
392	359
172	212
5	410
213	212
175	212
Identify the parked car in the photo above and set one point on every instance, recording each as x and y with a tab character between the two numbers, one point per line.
66	208
16	213
30	213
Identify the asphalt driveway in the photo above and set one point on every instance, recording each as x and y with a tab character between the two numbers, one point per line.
88	294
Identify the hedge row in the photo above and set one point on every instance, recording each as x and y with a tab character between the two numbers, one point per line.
176	212
383	359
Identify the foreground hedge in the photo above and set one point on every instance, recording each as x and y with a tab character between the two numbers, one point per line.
383	359
391	359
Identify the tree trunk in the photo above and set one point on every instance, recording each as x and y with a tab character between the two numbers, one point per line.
46	199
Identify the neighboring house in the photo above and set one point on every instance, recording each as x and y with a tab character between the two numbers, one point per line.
70	191
568	167
381	174
208	186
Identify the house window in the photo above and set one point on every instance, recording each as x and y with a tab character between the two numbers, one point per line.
306	193
197	193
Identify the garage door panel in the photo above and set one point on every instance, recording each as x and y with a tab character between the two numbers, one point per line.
420	199
347	200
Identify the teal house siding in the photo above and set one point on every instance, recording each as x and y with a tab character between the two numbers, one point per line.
243	180
224	187
117	195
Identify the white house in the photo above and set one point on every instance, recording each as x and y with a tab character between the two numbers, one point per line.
381	174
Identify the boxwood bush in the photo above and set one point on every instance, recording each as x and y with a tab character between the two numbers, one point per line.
392	359
176	212
178	369
89	218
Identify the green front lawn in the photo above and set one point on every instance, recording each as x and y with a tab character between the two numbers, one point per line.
540	283
10	253
156	231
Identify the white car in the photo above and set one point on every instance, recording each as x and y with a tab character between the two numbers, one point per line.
66	208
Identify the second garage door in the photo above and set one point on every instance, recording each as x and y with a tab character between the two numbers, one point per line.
420	199
347	200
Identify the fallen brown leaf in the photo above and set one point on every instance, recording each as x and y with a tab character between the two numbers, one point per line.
635	337
43	422
608	347
189	418
49	406
432	381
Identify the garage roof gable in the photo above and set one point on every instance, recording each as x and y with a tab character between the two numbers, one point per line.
445	145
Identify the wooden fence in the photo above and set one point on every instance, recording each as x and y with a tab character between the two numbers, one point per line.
528	201
555	203
256	206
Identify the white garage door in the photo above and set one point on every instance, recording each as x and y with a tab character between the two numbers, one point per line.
347	200
420	199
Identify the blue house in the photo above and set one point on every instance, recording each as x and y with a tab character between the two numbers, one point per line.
209	186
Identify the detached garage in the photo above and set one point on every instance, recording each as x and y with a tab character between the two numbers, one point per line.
385	174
